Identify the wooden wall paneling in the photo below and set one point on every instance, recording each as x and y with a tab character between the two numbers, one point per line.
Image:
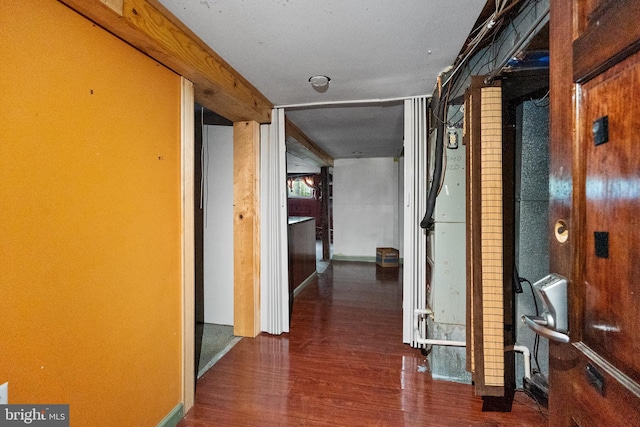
151	28
302	253
611	289
608	33
589	189
585	406
246	223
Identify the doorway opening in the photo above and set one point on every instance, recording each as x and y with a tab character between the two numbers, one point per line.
526	120
213	219
306	194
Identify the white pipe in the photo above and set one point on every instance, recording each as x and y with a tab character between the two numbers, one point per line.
429	341
527	357
351	102
417	314
421	313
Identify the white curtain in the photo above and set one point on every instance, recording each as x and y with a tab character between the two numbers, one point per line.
274	264
415	198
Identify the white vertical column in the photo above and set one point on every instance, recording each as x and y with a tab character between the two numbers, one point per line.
415	188
274	262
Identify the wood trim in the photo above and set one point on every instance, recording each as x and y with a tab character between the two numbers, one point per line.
610	37
116	5
471	224
561	140
609	368
562	28
246	224
188	245
151	28
316	153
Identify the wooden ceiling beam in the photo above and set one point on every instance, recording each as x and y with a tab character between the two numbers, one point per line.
312	151
151	28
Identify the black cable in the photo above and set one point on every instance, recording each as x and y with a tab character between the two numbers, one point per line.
536	346
533	294
542	410
427	221
536	341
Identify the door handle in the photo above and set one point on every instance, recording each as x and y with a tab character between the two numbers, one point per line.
538	325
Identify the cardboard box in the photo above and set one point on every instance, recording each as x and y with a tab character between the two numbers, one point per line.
387	257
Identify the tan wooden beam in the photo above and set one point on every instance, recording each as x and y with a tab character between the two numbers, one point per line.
151	28
115	5
246	228
311	150
188	244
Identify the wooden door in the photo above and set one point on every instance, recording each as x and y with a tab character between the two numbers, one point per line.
595	206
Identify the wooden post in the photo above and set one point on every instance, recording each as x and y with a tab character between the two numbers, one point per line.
246	228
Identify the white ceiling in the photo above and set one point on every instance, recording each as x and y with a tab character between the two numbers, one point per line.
374	50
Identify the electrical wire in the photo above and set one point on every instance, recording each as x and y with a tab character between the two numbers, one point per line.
441	114
540	102
444	168
490	26
536	340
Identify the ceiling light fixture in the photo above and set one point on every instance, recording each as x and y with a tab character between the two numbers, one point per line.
319	83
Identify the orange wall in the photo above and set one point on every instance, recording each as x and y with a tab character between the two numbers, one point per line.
90	282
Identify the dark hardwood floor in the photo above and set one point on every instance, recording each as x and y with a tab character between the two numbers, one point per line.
342	364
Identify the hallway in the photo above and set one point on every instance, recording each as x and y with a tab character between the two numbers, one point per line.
342	364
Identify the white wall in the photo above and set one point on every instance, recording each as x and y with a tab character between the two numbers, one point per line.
218	224
365	207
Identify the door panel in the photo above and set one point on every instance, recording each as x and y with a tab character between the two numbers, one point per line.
595	191
612	290
579	401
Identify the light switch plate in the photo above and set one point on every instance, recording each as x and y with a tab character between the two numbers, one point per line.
4	394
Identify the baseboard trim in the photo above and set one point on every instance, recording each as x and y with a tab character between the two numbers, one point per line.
173	418
353	258
304	283
218	356
358	258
